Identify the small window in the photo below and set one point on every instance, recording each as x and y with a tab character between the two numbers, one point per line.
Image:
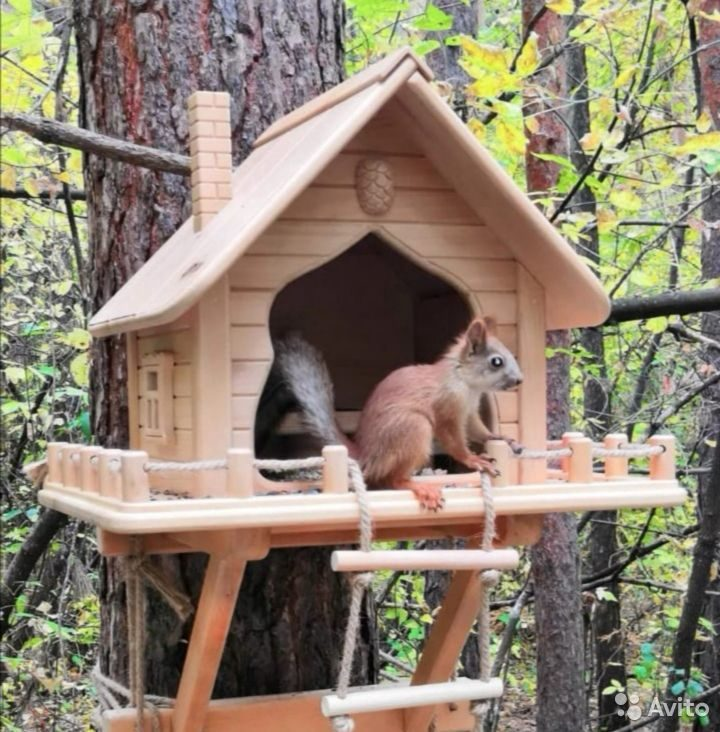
156	405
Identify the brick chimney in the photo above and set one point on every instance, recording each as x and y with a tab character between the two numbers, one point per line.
210	152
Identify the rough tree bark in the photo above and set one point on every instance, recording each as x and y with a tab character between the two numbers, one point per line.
555	559
708	62
139	61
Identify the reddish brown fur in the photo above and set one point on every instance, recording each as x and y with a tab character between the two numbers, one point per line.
415	403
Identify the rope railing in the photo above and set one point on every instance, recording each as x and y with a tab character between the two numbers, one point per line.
129	475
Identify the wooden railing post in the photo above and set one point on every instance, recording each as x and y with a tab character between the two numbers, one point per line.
565	462
71	466
54	458
501	453
662	466
89	467
239	473
615	466
135	485
110	475
335	471
580	467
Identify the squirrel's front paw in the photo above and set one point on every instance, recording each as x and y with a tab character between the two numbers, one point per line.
430	496
483	464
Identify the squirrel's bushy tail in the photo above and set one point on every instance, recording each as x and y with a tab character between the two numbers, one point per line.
304	369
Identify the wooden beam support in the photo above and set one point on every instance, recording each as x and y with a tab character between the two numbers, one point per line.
297	712
223	577
452	625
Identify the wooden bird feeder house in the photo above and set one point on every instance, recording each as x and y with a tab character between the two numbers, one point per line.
372	221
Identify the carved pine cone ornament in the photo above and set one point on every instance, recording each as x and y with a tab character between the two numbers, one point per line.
374	186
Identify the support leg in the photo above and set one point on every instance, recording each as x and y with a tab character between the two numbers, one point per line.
448	635
212	622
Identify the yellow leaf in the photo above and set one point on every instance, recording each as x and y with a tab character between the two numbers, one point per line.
561	7
624	76
529	57
490	57
606	219
492	85
704	122
79	369
693	143
590	140
532	125
477	128
63	176
715	15
591	7
512	139
8	178
31	186
625	199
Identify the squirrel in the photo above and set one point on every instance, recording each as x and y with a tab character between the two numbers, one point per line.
408	407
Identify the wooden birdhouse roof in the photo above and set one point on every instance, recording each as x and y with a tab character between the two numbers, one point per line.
291	153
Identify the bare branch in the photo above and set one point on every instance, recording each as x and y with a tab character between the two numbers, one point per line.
59	133
666	303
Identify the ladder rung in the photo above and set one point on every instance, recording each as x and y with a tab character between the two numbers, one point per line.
402	697
409	559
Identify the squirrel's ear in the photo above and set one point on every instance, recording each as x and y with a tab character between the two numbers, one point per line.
491	324
477	335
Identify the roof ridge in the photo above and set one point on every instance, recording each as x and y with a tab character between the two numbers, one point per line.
373	74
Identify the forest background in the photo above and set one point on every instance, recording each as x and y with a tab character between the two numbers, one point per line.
608	113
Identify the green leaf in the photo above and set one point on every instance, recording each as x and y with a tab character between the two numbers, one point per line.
425	47
640	672
433	19
625	199
677	688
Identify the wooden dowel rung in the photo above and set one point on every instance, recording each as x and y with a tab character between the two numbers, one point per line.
134	479
662	466
615	466
580	465
71	466
403	697
335	470
89	469
54	458
240	482
500	451
110	476
416	559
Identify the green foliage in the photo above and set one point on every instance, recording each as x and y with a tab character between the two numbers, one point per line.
645	137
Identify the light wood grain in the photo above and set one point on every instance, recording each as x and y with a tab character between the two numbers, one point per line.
481	275
248	377
250	307
180	343
260	272
211	383
340	204
251	343
531	356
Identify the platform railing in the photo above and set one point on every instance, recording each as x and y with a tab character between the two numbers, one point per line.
126	474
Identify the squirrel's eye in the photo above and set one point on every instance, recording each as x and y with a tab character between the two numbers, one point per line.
496	362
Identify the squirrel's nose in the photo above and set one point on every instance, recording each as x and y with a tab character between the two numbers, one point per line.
518	380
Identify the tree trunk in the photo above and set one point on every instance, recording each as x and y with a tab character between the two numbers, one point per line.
555	559
139	61
709	73
444	64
